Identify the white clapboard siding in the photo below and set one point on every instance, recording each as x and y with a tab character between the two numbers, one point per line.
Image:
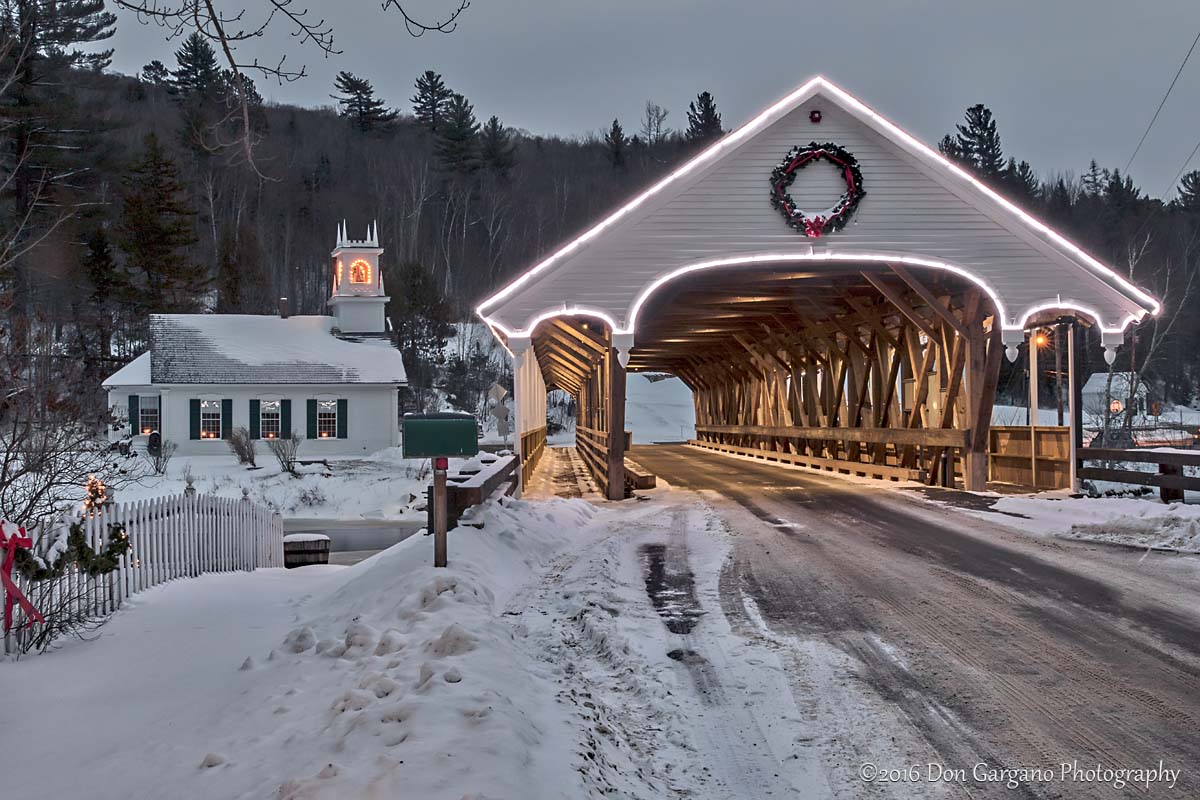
914	206
172	537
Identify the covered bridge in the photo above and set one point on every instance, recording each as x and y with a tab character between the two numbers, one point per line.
828	286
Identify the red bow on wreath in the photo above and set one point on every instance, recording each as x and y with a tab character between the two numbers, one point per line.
10	540
813	228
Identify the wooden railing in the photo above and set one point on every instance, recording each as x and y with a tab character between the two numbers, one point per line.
1045	465
592	446
888	453
170	537
464	490
533	445
1170	478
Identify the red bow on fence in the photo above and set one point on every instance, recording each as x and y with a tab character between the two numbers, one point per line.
9	542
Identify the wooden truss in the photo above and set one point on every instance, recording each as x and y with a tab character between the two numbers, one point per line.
877	371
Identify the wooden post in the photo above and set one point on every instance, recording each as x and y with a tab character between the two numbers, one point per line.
982	375
616	427
439	512
1033	406
1076	406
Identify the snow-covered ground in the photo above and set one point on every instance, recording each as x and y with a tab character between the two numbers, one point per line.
381	486
1136	521
535	666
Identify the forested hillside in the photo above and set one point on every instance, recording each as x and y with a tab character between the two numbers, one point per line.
127	195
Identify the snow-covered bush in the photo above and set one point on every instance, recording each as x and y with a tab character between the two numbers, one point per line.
160	460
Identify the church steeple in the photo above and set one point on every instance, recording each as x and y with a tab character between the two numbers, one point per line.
358	297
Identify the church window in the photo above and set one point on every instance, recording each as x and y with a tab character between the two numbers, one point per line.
360	272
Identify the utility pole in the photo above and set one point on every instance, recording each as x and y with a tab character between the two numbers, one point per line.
439	510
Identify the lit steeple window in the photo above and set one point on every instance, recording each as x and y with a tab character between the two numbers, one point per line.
360	271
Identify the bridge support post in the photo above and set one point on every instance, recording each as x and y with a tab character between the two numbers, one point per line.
982	375
615	400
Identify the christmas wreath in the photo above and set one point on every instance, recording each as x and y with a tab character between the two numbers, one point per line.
831	219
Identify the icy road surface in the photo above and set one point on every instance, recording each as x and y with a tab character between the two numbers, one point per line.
961	640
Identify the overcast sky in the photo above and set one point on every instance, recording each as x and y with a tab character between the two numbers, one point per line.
1068	80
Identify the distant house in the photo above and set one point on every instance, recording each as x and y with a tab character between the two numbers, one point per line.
332	379
1094	399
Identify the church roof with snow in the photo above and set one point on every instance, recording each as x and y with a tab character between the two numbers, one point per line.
259	349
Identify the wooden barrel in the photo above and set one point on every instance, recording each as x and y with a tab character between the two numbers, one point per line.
302	549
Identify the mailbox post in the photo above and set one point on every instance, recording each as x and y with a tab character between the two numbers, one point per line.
438	437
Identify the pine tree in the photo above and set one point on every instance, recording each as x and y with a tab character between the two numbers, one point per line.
156	74
155	233
979	143
617	144
421	319
948	147
1021	181
457	145
431	100
196	74
704	123
1094	180
359	104
497	151
1189	192
109	288
48	158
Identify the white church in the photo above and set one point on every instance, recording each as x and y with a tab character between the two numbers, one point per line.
333	380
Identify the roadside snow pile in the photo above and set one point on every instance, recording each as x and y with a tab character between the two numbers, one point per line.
405	681
1140	522
1167	531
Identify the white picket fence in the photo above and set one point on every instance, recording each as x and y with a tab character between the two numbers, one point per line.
171	537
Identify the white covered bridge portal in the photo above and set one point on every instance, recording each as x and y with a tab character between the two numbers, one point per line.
829	287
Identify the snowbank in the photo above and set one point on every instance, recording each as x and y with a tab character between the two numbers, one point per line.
1141	522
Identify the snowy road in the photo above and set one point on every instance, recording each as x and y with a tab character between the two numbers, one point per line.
965	641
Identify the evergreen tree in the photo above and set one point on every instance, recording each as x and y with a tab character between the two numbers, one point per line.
979	143
155	233
421	319
156	73
431	100
704	123
617	144
1021	181
497	150
1189	192
359	104
1059	201
948	147
1094	180
108	288
457	144
196	74
47	157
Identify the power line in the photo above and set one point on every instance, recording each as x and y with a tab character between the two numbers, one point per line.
1154	119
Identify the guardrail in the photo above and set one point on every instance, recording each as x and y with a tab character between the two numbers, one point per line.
466	489
1170	478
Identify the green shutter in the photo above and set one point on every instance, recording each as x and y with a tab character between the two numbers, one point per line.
255	430
343	418
226	418
312	419
135	405
285	419
194	419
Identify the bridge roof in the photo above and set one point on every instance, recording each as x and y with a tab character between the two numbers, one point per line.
919	210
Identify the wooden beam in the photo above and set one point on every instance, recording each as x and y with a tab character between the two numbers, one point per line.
934	304
904	308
